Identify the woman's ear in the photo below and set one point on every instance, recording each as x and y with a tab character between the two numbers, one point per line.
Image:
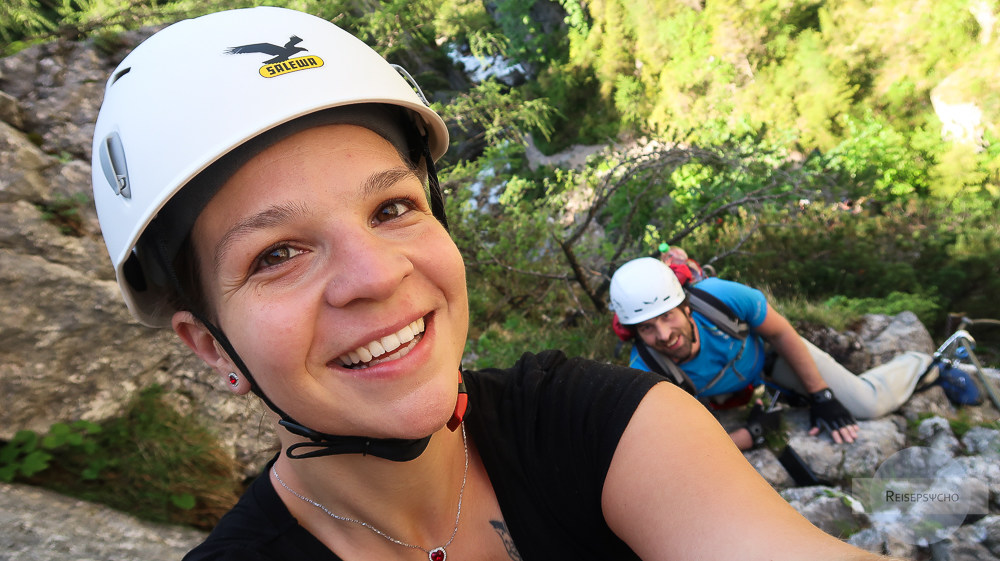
200	340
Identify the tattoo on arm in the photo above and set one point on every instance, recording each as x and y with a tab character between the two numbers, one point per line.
500	527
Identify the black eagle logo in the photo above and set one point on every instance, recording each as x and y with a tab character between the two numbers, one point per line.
281	54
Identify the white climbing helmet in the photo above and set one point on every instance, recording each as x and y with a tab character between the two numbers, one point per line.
200	88
643	289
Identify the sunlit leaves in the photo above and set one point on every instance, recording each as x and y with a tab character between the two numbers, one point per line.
499	113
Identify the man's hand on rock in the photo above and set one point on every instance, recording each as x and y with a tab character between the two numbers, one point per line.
827	413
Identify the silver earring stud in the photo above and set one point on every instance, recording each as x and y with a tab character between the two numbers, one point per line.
234	380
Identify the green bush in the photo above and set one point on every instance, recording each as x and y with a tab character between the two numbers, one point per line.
896	302
152	462
945	259
28	453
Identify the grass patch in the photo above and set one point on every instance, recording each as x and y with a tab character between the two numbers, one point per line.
152	462
815	313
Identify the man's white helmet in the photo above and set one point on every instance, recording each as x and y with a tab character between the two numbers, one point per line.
643	289
195	91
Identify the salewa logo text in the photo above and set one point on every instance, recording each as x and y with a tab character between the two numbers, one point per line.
281	61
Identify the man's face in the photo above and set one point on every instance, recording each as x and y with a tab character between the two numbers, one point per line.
671	333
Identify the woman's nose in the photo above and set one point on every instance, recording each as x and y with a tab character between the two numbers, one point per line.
366	267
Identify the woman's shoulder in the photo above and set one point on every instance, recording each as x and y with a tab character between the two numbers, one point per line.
536	374
548	391
259	528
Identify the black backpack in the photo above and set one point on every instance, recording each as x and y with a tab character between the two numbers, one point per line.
717	312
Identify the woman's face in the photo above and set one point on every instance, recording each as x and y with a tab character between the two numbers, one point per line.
343	294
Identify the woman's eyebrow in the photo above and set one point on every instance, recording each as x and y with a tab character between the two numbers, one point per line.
382	180
272	216
267	218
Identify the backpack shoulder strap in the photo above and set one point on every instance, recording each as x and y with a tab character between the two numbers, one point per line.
717	312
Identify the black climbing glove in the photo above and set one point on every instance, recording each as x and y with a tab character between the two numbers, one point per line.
827	413
760	423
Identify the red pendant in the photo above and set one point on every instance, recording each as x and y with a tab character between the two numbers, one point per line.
437	554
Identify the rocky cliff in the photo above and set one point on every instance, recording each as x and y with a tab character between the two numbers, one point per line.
70	351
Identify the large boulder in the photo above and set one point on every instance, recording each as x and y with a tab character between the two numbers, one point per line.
38	525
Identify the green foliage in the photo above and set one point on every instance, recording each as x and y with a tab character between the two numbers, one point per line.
942	254
151	462
876	163
529	41
894	303
800	311
500	344
396	27
498	114
580	113
28	454
64	212
25	22
464	20
629	101
13	456
678	191
21	19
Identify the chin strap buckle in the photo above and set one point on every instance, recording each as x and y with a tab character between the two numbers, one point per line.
398	450
460	406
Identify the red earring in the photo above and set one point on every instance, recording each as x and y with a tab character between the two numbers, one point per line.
234	380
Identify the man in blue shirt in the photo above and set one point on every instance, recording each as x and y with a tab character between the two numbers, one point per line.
651	303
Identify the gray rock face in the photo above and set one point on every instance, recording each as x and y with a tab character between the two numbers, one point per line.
70	349
830	509
37	525
982	441
902	332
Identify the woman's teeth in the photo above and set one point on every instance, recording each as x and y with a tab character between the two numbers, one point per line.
382	349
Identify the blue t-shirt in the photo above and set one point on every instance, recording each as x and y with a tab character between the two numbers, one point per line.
743	360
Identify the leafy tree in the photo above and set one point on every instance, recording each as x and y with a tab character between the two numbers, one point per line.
494	113
876	163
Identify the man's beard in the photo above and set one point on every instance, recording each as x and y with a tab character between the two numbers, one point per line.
685	351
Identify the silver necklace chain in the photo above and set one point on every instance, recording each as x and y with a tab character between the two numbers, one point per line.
440	550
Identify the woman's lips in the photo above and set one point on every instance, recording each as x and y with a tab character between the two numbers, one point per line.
390	347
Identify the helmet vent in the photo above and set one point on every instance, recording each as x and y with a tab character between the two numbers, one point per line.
112	155
119	74
416	87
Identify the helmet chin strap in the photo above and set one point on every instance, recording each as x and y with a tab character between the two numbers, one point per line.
694	335
395	449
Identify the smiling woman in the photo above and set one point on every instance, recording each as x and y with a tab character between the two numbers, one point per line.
290	229
322	239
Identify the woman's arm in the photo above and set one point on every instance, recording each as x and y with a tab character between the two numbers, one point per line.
679	489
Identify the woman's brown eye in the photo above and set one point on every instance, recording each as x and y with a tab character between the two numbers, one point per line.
390	211
277	256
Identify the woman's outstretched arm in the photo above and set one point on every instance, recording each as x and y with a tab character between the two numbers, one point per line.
678	489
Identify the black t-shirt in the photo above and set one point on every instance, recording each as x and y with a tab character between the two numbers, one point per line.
546	429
